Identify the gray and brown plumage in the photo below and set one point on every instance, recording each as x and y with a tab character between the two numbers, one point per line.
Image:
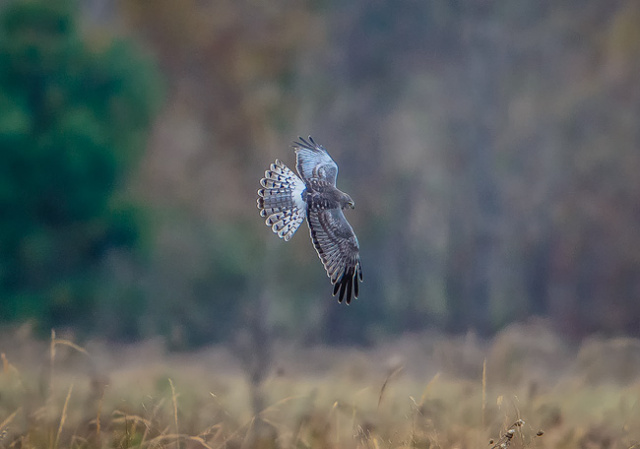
286	200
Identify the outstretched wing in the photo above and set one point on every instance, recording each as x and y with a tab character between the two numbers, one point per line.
313	162
338	249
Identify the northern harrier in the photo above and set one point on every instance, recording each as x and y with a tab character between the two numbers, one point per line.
286	200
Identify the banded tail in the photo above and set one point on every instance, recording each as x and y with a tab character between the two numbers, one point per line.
280	201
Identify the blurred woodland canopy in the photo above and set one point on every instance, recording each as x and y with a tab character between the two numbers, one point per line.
74	117
492	149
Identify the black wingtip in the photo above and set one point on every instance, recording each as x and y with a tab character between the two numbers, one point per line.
343	285
308	143
301	143
355	288
347	285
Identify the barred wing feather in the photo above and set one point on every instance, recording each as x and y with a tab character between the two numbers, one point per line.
338	249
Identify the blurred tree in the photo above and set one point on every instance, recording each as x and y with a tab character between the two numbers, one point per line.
509	119
491	148
230	67
74	115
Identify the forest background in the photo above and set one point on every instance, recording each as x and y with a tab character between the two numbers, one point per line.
492	149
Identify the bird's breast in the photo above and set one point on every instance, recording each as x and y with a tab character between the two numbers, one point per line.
317	201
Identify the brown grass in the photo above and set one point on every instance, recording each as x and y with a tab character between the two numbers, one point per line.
424	391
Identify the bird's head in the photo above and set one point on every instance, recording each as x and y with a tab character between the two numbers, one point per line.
346	201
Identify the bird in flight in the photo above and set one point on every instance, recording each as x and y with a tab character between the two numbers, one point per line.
286	200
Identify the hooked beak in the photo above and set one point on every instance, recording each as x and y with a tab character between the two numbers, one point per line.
352	205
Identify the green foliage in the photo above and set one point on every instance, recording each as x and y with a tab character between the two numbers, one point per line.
73	118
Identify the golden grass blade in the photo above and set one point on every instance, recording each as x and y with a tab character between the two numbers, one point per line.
219	431
52	356
215	398
176	437
280	402
386	381
58	341
280	427
164	437
124	418
248	434
248	424
174	398
12	372
337	426
148	425
63	418
98	415
484	392
428	388
333	407
362	391
9	368
298	433
200	441
353	417
209	429
8	420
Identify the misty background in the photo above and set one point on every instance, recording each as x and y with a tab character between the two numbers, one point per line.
492	149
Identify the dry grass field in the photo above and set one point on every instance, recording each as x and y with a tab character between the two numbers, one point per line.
524	388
